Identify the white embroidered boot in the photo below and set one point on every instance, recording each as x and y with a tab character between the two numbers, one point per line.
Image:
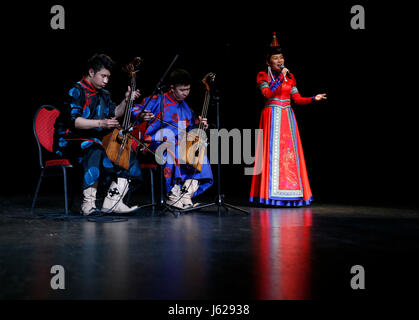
189	188
88	205
114	199
173	197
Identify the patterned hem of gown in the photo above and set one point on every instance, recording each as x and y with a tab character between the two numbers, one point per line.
281	203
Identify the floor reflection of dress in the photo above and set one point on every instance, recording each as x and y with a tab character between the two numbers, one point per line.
282	251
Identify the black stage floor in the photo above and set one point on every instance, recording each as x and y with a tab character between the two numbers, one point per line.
304	253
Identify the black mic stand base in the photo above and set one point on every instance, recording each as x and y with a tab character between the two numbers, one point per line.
160	206
219	202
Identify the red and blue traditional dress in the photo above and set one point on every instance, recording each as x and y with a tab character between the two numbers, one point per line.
177	117
280	175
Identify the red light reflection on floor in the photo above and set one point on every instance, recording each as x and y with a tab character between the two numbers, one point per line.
282	249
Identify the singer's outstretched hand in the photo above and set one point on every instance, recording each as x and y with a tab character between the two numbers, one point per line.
321	96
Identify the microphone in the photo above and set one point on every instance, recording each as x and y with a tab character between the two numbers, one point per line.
288	74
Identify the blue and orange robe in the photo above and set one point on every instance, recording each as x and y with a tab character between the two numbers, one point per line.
280	175
85	146
181	118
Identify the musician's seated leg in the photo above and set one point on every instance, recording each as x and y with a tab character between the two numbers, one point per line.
113	202
95	164
173	197
190	186
181	197
194	183
117	191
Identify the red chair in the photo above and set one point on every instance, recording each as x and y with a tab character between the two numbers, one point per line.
43	129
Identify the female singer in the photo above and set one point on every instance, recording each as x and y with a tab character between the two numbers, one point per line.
280	176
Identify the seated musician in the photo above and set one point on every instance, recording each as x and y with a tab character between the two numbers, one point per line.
88	116
182	181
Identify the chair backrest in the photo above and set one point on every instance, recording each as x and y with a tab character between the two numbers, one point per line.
43	128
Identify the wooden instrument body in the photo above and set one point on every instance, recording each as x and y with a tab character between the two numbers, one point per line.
195	150
118	148
196	141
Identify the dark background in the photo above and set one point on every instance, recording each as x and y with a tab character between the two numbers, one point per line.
359	145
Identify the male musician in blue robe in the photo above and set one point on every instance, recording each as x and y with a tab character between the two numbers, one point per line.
182	181
88	116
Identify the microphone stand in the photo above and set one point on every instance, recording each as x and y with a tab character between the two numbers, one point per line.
219	201
159	89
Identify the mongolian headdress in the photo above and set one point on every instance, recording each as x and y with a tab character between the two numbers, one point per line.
274	48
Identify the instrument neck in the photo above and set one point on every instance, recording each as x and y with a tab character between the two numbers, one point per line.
205	108
129	105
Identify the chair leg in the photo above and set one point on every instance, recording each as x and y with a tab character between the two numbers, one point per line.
65	190
37	190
